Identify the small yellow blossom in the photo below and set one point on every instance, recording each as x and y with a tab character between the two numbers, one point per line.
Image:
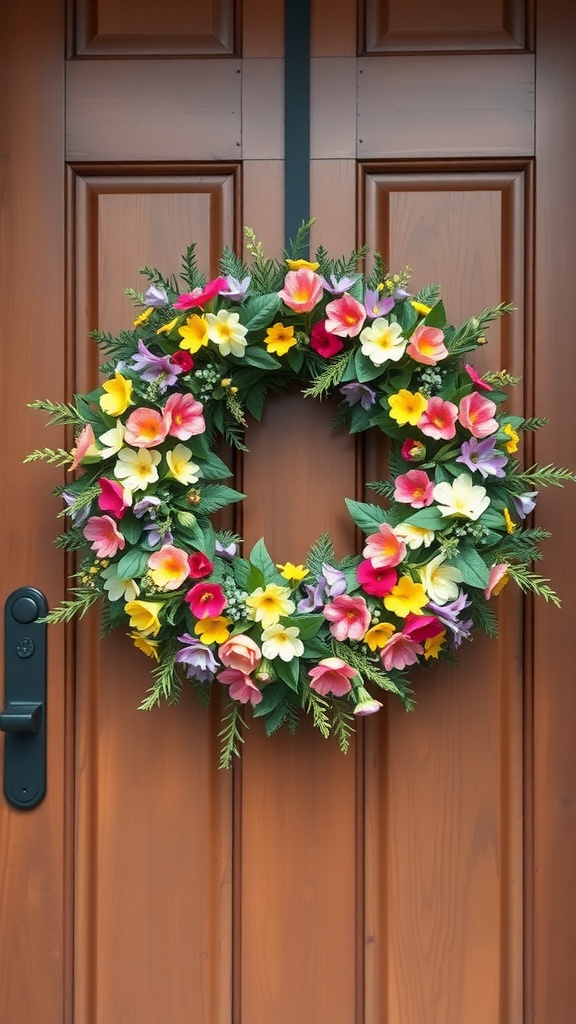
267	605
144	644
168	327
118	395
213	630
512	444
510	525
143	316
280	339
406	597
378	635
302	264
434	644
194	333
292	573
406	407
143	616
420	307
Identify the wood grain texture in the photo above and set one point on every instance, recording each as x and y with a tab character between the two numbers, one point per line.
137	27
391	26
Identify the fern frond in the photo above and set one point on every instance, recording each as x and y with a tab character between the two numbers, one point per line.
230	736
546	476
343	725
59	412
318	706
77	605
329	378
320	552
190	273
57	456
530	581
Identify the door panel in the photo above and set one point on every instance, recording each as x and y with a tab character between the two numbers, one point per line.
426	876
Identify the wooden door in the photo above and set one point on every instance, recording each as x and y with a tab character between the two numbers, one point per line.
426	878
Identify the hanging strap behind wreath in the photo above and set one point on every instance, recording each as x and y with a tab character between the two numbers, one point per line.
296	116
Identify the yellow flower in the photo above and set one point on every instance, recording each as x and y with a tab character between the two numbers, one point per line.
434	644
420	307
266	606
302	264
168	327
512	444
194	333
280	339
144	616
180	466
226	331
406	597
213	630
406	407
118	395
148	647
292	573
510	525
143	316
378	635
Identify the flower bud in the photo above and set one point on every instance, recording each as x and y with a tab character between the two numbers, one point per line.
413	451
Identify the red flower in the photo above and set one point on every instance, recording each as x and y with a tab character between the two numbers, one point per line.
199	565
324	343
183	360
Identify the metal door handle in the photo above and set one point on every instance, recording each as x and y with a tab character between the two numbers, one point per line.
23	719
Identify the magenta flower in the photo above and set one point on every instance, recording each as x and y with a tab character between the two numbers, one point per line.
349	617
240	686
111	497
206	600
183	414
324	343
475	376
332	675
200	296
345	316
376	580
427	345
302	290
439	419
476	414
199	565
107	540
400	651
483	457
356	392
183	360
413	451
421	627
414	488
198	658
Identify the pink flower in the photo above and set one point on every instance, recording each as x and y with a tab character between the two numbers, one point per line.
241	687
414	488
421	627
349	616
400	651
439	419
199	565
103	532
427	345
168	567
206	600
323	342
240	652
497	579
475	376
413	451
332	675
302	290
476	414
345	316
84	441
384	548
111	497
376	580
145	428
183	414
200	296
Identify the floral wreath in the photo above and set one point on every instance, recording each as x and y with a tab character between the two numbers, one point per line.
327	637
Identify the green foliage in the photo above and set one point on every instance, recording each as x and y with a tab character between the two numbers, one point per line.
57	456
466	337
530	581
329	378
60	412
230	734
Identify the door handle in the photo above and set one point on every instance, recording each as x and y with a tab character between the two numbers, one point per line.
23	719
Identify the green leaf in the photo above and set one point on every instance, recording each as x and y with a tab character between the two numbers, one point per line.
258	313
365	368
261	560
132	564
216	496
473	568
288	671
255	355
131	529
367	516
272	696
437	316
214	469
308	625
427	519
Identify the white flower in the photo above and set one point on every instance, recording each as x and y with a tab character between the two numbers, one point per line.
225	330
440	581
180	466
462	498
119	588
113	440
383	341
280	641
414	536
137	468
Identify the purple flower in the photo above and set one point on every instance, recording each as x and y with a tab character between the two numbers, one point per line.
448	616
335	580
525	503
481	455
155	297
155	368
198	658
146	506
337	286
356	392
377	304
236	290
157	534
81	514
316	598
400	294
228	551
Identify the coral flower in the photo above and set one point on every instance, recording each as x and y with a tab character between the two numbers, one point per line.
184	416
118	395
205	600
345	316
407	407
240	686
476	414
180	466
414	488
106	538
349	617
332	675
194	333
427	345
376	580
384	548
143	616
439	419
280	339
406	597
168	567
213	630
324	343
85	446
112	497
226	331
137	469
383	342
200	296
266	606
412	450
302	290
240	652
461	498
145	428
